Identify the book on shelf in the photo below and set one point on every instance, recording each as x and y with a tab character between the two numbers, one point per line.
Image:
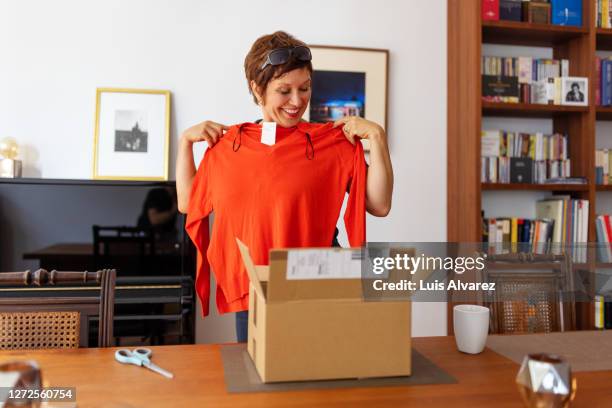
500	89
603	230
597	80
521	170
553	209
566	12
603	81
510	10
566	180
602	166
604	10
507	157
603	310
536	12
490	10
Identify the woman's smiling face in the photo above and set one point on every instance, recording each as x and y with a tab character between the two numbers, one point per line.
286	98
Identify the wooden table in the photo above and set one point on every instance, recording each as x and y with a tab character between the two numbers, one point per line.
484	380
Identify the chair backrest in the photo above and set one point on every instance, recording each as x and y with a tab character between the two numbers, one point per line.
533	293
130	250
54	309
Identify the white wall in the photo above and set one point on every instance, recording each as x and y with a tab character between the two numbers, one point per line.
53	55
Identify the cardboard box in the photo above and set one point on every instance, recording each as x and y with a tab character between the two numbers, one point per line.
322	329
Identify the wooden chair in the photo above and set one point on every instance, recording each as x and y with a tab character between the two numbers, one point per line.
45	310
533	293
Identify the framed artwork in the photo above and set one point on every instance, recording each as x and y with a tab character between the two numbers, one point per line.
575	91
349	82
132	134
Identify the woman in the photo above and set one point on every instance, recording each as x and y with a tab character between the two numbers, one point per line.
278	71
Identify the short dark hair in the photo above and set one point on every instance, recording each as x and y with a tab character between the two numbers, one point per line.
575	84
258	55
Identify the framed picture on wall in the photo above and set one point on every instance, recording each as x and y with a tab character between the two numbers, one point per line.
349	82
131	140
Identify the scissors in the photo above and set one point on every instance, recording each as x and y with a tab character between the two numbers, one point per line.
140	357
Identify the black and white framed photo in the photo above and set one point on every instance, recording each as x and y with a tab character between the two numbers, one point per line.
348	81
575	91
131	139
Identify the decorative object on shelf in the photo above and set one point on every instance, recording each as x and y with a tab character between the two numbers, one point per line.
131	134
10	167
349	82
536	12
575	91
545	380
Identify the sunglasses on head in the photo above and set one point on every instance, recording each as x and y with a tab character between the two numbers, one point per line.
280	56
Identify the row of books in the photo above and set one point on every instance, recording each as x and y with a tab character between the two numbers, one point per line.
537	146
560	12
559	219
523	170
603	310
603	161
604	13
603	81
513	157
527	69
515	230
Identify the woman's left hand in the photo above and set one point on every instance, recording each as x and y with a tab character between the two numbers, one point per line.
355	126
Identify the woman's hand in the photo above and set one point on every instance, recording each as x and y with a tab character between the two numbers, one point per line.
355	126
379	183
208	131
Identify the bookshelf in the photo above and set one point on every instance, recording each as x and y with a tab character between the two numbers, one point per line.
465	111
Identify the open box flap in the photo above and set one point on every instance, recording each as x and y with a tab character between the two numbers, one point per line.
250	267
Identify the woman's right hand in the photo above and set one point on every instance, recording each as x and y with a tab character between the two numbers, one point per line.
208	131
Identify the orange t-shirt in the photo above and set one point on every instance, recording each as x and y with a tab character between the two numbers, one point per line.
282	196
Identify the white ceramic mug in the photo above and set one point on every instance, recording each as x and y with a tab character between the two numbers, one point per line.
471	324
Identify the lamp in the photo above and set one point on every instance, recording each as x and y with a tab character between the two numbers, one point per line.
9	166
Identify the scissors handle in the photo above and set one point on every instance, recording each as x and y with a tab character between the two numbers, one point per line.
157	369
136	357
143	353
126	357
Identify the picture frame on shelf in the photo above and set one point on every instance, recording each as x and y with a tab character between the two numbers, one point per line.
575	91
349	81
132	134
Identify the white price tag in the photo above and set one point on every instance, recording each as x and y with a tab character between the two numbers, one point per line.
268	133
